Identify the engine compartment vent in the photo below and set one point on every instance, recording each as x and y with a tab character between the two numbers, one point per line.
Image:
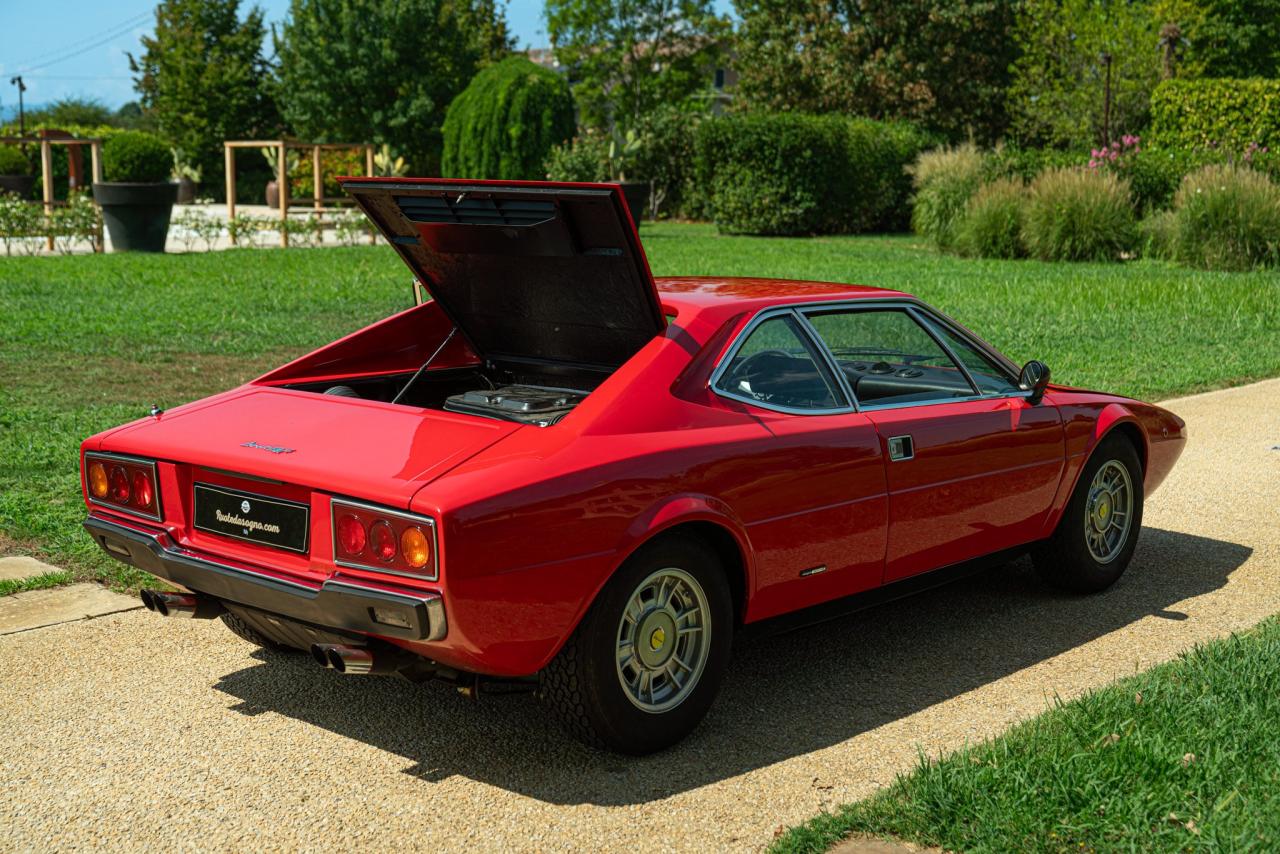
476	211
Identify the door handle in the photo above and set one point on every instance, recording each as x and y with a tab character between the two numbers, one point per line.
901	448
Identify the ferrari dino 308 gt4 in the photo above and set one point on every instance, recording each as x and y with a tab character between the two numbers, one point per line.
562	474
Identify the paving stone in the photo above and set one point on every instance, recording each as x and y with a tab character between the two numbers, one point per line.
19	567
35	609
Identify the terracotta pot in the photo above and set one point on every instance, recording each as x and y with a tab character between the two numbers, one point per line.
186	190
273	194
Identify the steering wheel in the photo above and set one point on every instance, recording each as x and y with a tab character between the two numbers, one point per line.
743	369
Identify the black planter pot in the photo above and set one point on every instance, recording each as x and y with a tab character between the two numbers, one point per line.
186	190
637	196
20	184
136	215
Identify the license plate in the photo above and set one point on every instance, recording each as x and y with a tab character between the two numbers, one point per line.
256	518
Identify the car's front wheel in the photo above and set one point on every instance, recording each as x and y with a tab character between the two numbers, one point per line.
1098	531
645	664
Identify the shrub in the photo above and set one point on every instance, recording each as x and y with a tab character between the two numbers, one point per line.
666	160
586	158
1227	218
945	179
1007	161
506	121
333	163
1224	113
1079	215
13	161
991	224
1157	235
786	174
136	157
18	221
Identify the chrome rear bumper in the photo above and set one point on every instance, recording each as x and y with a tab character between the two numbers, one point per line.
336	604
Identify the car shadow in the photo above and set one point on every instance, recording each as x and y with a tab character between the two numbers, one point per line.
784	695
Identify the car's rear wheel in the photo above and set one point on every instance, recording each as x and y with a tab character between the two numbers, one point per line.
1098	532
644	666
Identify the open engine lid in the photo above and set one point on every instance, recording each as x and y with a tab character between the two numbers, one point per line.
530	271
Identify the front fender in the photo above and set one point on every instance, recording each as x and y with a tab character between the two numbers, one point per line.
1081	444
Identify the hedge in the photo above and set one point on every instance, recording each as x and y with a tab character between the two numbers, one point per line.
790	174
507	120
1216	113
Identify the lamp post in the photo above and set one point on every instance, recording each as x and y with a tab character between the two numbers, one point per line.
22	116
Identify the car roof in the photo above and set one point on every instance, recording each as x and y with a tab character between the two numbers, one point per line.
727	296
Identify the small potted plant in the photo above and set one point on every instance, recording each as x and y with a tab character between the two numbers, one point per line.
137	200
15	172
188	177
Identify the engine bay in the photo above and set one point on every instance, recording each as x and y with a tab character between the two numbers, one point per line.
538	399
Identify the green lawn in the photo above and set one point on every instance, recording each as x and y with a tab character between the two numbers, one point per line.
1183	757
89	342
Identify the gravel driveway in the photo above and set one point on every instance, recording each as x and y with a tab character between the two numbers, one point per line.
133	731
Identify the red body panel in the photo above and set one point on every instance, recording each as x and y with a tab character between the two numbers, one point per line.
533	521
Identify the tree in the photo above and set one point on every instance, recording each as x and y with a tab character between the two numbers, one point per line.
1226	38
202	78
627	57
507	120
1058	96
940	63
369	71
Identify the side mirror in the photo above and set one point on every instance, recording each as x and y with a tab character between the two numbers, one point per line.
1035	379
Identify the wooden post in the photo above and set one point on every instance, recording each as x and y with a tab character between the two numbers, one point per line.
46	173
229	158
282	183
368	161
95	169
317	180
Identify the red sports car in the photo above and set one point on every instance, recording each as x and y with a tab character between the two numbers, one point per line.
562	475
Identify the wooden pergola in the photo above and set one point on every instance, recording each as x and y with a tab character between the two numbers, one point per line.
282	147
46	143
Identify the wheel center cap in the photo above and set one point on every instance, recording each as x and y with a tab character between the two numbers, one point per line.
654	640
1101	511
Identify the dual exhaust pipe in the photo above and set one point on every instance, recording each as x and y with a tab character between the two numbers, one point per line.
354	660
183	605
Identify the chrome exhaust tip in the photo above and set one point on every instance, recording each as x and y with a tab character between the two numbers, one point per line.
351	660
184	605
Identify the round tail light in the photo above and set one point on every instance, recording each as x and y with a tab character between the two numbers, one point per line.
351	534
97	480
383	540
143	491
415	547
119	486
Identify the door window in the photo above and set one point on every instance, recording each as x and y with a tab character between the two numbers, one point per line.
776	366
888	358
989	377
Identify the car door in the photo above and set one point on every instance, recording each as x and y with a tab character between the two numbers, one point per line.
972	465
814	506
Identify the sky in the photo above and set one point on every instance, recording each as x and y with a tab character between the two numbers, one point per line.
67	48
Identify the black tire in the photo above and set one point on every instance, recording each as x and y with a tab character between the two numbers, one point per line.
1065	559
583	687
244	631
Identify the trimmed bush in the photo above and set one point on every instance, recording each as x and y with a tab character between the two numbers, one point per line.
585	158
1227	218
12	161
1079	215
790	174
991	225
507	120
666	160
1026	163
136	157
1221	113
945	179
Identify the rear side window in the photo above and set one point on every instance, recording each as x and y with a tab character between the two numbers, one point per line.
988	376
889	358
775	365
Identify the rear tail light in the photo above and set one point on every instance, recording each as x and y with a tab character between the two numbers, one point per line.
122	483
369	537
